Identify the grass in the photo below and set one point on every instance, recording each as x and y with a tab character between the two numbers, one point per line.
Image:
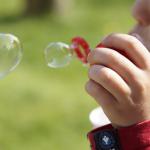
42	108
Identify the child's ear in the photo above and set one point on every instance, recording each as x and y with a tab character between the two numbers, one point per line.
141	12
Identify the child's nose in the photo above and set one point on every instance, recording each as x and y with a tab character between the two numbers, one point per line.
143	19
141	12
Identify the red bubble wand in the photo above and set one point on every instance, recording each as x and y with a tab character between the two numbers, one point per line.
59	54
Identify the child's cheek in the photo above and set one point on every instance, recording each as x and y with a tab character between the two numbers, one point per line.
144	34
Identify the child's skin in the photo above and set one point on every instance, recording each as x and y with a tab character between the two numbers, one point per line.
119	84
141	12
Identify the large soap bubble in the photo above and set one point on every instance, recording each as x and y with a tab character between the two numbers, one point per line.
10	53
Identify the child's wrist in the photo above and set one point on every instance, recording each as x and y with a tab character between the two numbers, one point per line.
132	122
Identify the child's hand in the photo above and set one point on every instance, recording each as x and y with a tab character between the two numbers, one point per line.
119	84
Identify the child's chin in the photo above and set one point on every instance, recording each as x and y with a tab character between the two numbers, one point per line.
144	33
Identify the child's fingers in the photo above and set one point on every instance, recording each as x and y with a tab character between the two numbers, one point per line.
131	46
105	99
110	80
114	60
101	95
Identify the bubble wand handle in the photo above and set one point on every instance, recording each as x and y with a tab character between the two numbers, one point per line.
81	48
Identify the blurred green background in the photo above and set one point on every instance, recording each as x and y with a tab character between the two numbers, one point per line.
42	108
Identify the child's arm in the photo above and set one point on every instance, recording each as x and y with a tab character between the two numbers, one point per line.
121	85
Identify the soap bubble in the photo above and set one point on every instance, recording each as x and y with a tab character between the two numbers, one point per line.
10	53
58	55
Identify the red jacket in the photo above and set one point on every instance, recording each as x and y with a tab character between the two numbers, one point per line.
136	137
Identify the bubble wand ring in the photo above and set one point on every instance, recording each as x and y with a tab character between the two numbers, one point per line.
78	43
58	54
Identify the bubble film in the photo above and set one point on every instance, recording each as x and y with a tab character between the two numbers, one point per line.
58	55
10	53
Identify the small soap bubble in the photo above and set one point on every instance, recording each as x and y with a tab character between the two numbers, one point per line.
10	53
58	55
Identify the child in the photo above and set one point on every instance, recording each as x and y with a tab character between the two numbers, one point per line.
120	82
